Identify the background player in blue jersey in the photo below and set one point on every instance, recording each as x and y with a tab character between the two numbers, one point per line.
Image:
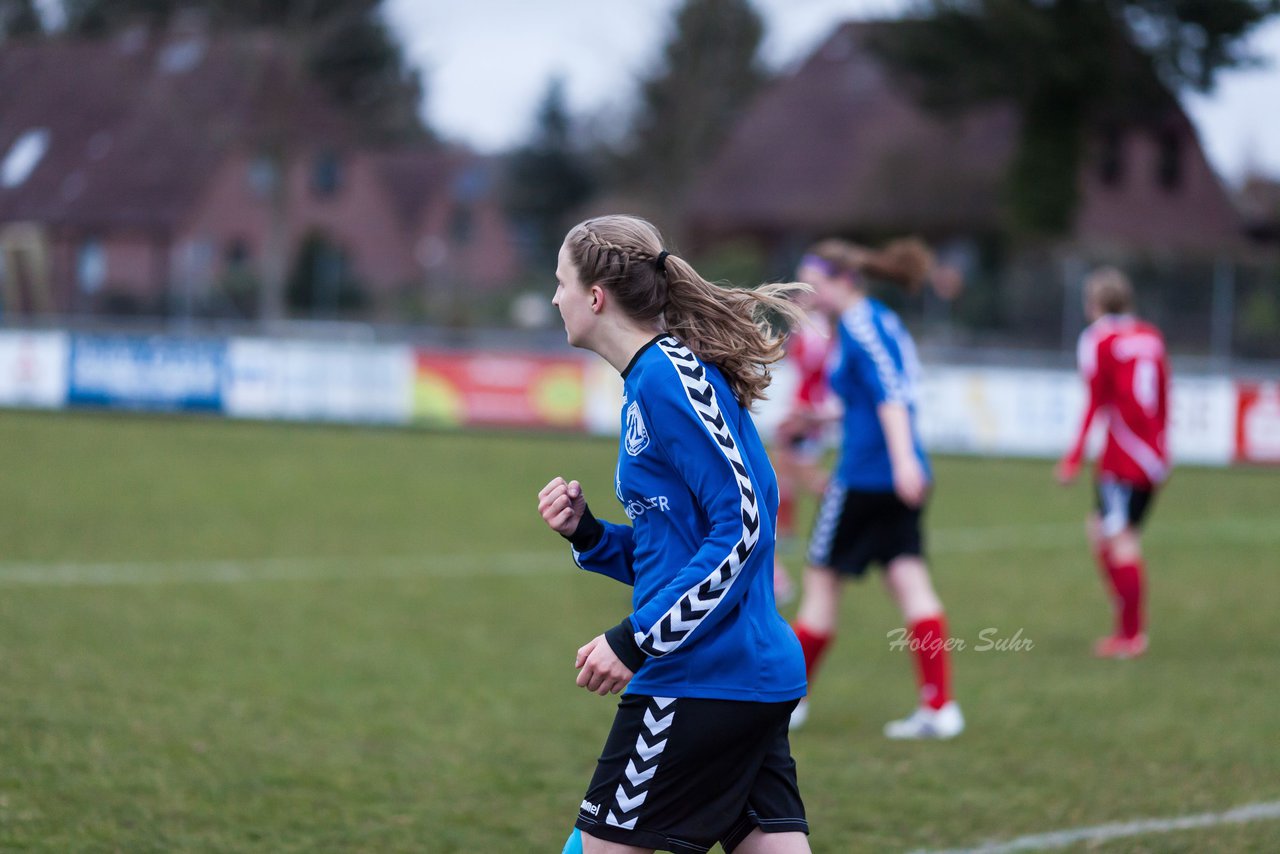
871	511
698	752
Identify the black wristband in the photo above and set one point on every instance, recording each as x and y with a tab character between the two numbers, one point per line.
622	641
588	533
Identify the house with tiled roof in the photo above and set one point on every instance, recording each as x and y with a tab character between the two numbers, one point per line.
154	172
1259	203
840	147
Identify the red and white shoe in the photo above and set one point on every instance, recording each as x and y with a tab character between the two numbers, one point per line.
1116	646
925	722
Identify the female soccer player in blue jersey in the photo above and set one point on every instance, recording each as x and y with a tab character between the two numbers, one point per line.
871	511
698	753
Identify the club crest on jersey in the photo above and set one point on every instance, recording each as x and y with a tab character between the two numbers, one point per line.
637	438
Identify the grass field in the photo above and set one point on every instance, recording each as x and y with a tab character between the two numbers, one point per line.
243	637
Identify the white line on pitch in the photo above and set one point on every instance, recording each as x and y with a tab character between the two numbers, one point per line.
69	574
953	540
1118	830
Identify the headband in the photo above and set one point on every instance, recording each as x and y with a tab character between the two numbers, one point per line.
827	267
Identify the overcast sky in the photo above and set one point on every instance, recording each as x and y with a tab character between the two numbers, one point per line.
486	64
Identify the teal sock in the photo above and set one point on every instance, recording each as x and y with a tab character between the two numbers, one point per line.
573	845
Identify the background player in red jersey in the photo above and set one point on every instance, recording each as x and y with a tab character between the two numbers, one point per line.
1126	372
801	436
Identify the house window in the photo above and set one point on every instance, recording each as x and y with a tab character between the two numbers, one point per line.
264	176
326	174
91	266
1111	157
1169	159
237	254
23	157
180	57
462	225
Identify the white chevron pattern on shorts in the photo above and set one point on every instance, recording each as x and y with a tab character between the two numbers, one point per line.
631	793
636	776
657	725
824	530
692	608
648	751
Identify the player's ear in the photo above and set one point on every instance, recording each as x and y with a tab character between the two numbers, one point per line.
597	298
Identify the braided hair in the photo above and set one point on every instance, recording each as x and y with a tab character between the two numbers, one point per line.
733	328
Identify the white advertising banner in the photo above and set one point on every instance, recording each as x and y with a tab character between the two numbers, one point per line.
996	411
999	411
33	369
602	399
963	410
307	380
1203	416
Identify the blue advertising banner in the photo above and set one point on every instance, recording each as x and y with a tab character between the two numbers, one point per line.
131	372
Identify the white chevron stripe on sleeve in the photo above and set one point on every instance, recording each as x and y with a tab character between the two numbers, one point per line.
688	612
859	323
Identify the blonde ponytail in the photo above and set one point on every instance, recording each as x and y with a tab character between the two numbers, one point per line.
739	330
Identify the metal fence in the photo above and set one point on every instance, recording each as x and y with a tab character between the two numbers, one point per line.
1218	316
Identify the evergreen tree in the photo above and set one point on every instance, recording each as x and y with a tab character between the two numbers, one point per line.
19	18
345	45
709	72
547	179
1067	65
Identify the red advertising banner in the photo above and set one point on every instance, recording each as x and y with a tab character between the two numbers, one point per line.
498	390
1258	423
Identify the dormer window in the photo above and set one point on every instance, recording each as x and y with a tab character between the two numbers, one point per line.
24	156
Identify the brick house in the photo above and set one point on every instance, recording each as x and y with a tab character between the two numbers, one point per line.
839	147
192	172
1259	203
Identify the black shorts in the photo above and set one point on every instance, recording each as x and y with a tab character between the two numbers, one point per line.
683	774
854	529
1121	505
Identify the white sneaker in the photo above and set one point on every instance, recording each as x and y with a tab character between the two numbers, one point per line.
799	714
925	722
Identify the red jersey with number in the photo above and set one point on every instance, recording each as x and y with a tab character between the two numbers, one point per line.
1124	365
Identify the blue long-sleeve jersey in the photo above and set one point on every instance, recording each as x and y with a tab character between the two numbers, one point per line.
697	485
875	363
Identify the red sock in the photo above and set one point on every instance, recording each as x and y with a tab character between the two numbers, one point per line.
814	645
933	667
1107	570
786	513
1128	582
1103	557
